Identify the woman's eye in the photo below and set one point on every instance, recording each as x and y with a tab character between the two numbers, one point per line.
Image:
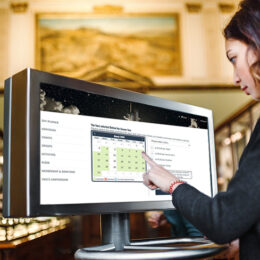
233	60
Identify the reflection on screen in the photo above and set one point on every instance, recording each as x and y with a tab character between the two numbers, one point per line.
91	148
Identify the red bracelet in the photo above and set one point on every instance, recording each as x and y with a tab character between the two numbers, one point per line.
172	185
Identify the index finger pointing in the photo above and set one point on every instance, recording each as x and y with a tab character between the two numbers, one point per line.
148	159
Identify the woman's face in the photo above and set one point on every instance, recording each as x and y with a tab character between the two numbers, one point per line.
242	57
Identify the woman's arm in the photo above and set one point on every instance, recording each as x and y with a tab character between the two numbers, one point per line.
229	214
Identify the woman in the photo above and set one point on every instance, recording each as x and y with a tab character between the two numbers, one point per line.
234	214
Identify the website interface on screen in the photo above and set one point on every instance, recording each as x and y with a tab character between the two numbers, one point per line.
91	148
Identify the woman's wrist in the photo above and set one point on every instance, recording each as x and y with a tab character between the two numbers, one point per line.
174	184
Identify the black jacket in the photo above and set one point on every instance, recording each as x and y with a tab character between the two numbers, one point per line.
232	214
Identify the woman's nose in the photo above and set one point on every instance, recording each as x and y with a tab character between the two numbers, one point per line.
236	78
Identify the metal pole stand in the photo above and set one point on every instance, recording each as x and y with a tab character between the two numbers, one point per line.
116	244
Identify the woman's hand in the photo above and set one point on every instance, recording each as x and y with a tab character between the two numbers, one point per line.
155	218
157	176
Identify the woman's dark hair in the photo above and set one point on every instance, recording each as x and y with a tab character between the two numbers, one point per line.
245	26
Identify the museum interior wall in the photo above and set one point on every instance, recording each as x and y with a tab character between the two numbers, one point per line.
202	76
204	68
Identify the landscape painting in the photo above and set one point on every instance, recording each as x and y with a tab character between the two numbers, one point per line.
74	45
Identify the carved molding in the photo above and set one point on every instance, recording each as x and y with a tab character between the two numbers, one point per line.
226	7
19	7
193	7
108	9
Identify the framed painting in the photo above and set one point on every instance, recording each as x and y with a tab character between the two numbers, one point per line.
77	45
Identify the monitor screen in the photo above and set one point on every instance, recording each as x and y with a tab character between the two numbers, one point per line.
91	145
86	141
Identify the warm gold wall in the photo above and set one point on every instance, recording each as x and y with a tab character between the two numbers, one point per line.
202	46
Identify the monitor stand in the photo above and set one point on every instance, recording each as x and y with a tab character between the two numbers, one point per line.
116	244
